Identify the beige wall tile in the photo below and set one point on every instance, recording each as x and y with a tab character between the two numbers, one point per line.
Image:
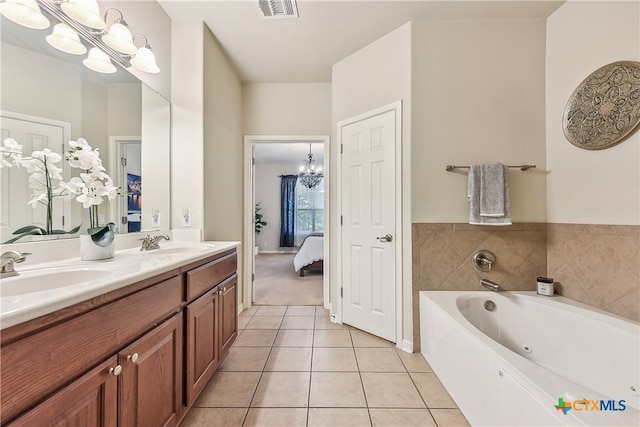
598	265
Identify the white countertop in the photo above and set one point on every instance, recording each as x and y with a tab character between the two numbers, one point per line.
94	277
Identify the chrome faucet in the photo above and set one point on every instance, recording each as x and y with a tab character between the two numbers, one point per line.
7	261
492	286
150	243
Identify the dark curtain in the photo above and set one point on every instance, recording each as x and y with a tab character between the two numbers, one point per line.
288	210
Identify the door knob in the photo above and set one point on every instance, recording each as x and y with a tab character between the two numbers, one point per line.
386	238
115	371
132	357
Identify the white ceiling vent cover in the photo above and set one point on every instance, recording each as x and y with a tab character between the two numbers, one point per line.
278	8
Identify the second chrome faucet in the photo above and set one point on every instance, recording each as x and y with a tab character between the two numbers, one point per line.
149	243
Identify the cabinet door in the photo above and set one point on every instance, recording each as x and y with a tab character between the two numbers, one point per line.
203	345
151	379
91	400
229	314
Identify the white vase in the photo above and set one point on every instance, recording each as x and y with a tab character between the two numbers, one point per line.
89	251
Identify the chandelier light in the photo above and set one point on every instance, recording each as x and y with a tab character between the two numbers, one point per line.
309	175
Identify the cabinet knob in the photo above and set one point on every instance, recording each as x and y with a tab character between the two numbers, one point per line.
132	357
115	371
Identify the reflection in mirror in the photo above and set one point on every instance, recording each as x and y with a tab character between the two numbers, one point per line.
49	98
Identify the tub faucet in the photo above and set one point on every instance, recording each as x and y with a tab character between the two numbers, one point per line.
150	243
7	261
492	286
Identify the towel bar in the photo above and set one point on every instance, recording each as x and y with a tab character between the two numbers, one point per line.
521	167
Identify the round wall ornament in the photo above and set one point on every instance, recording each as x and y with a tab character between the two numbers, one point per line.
605	108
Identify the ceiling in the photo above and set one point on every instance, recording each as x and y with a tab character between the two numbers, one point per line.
303	50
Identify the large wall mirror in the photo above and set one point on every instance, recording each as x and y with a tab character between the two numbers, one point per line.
48	98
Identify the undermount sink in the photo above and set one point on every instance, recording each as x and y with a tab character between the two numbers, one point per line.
47	279
180	249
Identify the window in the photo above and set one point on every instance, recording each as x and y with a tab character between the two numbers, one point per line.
309	209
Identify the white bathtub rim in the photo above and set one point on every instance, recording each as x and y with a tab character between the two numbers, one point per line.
550	386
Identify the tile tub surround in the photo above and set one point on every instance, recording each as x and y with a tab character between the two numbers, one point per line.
597	265
443	252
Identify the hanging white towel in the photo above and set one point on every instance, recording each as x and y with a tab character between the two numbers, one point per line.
488	193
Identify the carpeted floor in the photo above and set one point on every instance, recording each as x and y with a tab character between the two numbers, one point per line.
277	282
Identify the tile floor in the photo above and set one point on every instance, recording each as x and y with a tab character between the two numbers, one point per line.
291	366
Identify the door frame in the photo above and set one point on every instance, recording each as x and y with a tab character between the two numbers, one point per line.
248	240
402	227
116	144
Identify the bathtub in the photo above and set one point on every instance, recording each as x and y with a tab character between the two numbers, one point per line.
510	366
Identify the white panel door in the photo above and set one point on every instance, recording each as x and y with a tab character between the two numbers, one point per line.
15	212
368	210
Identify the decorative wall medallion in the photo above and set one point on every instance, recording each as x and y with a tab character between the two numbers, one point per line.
605	108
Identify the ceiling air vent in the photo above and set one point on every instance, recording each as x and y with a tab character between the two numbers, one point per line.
278	8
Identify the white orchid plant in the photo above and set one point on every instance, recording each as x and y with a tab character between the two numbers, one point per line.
46	183
94	184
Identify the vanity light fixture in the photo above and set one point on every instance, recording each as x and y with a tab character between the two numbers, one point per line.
145	60
81	18
24	12
119	36
99	61
85	12
66	39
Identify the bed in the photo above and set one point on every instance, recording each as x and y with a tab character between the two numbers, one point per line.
310	255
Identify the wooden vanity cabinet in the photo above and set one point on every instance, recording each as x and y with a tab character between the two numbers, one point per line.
122	359
228	314
151	378
91	400
211	320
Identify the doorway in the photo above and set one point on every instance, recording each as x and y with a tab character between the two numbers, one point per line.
371	237
267	159
126	162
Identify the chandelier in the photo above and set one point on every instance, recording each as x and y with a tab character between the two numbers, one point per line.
309	175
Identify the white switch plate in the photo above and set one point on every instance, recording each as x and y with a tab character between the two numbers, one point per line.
186	218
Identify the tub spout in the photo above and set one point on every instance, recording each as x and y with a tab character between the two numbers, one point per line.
492	286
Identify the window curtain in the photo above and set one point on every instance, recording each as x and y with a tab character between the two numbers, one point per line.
288	210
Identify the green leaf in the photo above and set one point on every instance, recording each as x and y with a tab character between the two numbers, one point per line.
15	239
30	229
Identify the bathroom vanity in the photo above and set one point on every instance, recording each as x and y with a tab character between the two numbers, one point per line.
137	354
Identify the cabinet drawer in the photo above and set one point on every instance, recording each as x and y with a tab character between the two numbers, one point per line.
39	364
203	278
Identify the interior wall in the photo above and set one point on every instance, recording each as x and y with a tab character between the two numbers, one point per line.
45	85
267	192
376	76
187	123
593	196
223	145
478	96
286	108
585	186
